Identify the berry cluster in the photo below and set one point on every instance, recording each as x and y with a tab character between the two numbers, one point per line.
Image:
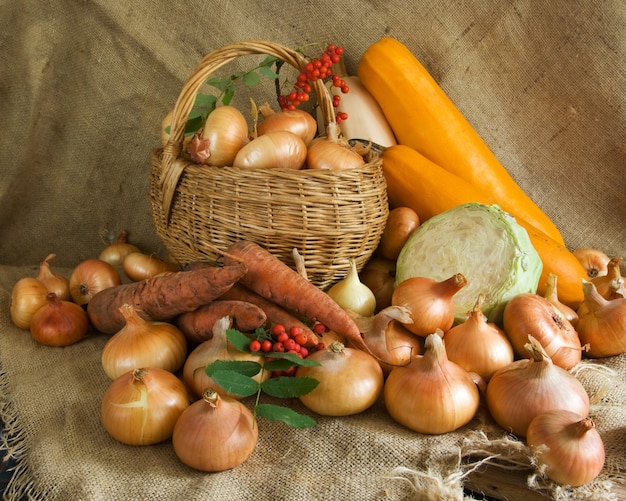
317	69
282	340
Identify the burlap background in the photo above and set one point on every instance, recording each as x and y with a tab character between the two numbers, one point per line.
83	88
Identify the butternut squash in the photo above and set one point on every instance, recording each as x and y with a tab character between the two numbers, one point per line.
423	117
415	181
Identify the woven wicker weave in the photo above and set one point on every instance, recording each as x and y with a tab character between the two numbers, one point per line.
329	216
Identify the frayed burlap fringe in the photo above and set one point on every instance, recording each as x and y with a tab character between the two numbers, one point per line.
14	449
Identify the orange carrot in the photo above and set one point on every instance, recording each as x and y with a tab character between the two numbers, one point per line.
272	279
197	325
162	297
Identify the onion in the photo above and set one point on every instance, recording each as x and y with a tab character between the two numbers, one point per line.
388	340
477	345
27	296
532	314
143	343
139	266
215	433
401	222
142	406
298	122
429	302
276	149
522	390
59	323
207	352
90	277
53	282
116	252
350	381
603	328
431	395
609	284
326	153
352	295
594	261
551	294
378	275
567	447
225	132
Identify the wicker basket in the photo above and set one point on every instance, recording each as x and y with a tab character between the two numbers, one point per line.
329	216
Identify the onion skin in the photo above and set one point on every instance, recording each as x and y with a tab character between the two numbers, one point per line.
520	391
531	314
27	296
116	252
350	381
90	277
298	122
215	433
139	266
379	275
53	282
431	395
593	261
142	406
225	132
326	153
400	224
568	446
59	323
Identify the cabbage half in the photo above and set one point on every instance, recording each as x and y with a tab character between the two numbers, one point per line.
482	242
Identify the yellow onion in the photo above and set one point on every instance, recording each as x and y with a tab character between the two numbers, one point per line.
139	266
429	302
299	122
567	447
224	133
326	153
90	277
552	295
350	381
116	252
353	295
603	328
143	343
401	222
607	285
215	433
594	261
478	346
59	323
27	296
54	282
525	388
379	275
216	348
431	394
276	149
141	406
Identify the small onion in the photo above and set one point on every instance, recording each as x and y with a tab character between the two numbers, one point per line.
350	381
594	261
209	351
522	390
603	328
59	323
478	346
299	122
431	395
279	149
379	274
429	302
90	277
551	294
116	252
532	314
54	282
353	295
215	433
143	343
27	296
567	447
141	406
326	153
401	222
139	266
613	281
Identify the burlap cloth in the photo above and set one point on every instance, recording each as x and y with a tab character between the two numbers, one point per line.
83	89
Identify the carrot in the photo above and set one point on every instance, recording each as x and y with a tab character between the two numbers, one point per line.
275	314
197	325
272	279
424	117
162	297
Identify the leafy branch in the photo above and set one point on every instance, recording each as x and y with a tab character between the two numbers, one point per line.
237	378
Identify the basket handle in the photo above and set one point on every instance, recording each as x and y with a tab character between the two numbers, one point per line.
172	165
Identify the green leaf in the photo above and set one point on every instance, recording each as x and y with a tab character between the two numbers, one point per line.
289	387
219	83
228	96
278	365
284	414
251	79
268	61
193	125
245	367
238	339
235	383
204	101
